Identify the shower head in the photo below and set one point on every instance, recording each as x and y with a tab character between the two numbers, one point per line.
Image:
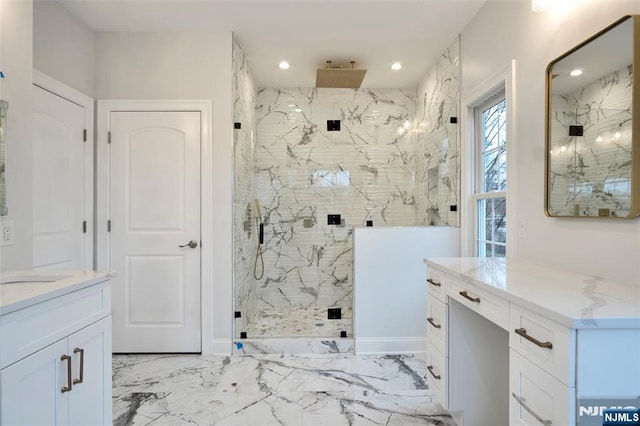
339	77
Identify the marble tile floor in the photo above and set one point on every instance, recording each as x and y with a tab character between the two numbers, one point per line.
263	390
295	322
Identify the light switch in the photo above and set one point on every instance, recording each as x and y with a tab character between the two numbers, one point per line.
522	229
6	233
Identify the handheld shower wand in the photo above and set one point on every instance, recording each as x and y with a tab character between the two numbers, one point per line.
260	227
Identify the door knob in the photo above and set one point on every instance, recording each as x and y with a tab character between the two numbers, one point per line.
192	244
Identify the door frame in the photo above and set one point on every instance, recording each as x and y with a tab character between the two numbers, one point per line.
204	107
60	89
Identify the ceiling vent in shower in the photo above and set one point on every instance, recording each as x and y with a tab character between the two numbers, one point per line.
340	77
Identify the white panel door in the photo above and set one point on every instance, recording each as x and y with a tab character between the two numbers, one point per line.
154	210
59	195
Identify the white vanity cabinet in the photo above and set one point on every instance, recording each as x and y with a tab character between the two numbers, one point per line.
437	329
542	366
532	345
55	359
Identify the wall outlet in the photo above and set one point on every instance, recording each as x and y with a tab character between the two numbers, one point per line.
6	233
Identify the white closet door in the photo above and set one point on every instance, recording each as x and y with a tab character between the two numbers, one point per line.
59	195
154	209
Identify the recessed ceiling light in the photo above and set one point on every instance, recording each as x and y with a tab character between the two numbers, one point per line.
396	66
284	65
575	73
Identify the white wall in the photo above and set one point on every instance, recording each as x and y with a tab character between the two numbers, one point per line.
502	31
16	28
389	290
63	47
185	66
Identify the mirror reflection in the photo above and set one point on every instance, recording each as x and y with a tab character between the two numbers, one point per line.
589	127
3	157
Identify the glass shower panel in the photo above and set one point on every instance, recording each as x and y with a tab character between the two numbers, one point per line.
313	184
304	175
437	165
244	225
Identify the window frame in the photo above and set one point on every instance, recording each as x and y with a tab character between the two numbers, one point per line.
479	193
503	79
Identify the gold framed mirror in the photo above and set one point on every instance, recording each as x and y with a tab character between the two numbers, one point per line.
592	166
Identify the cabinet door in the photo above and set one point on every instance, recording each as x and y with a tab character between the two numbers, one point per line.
90	400
31	389
536	397
437	374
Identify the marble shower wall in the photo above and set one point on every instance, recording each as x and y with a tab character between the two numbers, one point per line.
437	153
244	160
593	171
365	171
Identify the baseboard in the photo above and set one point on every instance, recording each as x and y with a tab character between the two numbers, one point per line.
390	345
218	347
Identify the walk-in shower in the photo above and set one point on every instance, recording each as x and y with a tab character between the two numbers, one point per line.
319	162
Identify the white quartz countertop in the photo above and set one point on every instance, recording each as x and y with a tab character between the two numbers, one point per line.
569	298
19	289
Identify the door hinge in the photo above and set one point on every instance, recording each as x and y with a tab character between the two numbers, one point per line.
109	136
84	135
84	226
108	226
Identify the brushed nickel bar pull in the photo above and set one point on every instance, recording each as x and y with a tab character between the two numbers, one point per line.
430	319
434	283
521	401
81	379
523	332
69	385
430	368
466	296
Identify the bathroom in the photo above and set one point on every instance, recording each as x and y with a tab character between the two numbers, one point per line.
500	32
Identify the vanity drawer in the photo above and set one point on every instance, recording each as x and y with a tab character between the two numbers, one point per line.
437	374
546	343
435	284
535	397
28	330
493	308
437	324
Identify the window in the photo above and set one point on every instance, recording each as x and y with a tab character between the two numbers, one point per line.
491	177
